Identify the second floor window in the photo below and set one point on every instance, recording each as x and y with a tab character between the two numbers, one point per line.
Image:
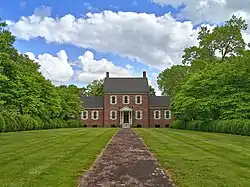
125	99
113	99
138	99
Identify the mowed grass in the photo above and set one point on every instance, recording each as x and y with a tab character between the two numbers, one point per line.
197	159
49	157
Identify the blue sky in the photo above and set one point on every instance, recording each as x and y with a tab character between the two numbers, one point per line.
77	41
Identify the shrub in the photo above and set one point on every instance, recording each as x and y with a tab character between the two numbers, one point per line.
40	123
10	123
178	124
22	123
233	126
2	123
31	123
73	123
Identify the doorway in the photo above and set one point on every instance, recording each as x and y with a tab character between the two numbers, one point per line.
126	117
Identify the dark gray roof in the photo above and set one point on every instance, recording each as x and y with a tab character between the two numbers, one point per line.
92	101
126	85
159	101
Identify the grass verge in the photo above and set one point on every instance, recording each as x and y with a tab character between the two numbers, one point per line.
199	159
49	157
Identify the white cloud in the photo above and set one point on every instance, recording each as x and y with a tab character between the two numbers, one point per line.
43	11
92	69
153	83
55	68
155	41
89	6
214	11
22	4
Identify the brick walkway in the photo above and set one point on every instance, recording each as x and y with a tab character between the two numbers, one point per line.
126	162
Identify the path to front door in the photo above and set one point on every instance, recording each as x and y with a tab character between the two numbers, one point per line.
126	162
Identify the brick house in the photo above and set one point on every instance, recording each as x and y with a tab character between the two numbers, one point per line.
126	103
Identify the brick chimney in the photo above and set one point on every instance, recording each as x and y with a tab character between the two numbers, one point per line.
144	74
107	74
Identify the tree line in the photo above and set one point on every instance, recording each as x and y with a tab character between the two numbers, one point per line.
28	101
210	90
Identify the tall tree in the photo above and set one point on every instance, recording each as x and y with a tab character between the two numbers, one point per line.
169	80
214	46
70	101
151	91
223	42
94	89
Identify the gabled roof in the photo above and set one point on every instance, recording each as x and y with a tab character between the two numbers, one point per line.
92	101
126	85
159	101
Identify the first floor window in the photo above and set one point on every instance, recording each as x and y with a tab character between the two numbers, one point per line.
138	114
167	114
113	115
157	114
84	115
95	115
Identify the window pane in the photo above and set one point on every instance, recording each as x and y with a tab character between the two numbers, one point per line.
95	115
113	115
138	99
84	114
138	114
167	114
113	99
125	99
156	114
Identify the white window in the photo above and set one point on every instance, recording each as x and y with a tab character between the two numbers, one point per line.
84	115
125	99
138	99
113	115
167	114
95	115
138	114
157	114
113	99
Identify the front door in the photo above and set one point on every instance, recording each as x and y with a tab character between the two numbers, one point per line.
125	117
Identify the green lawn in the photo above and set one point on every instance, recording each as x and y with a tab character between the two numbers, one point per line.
198	159
49	158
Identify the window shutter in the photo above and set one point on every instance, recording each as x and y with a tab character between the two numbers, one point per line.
110	115
82	115
97	114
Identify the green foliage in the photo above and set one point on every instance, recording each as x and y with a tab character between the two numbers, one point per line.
169	79
226	40
28	100
70	101
208	87
233	126
2	122
74	123
151	91
96	88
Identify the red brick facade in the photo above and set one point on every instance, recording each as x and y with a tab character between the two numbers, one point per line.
126	112
147	120
135	107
